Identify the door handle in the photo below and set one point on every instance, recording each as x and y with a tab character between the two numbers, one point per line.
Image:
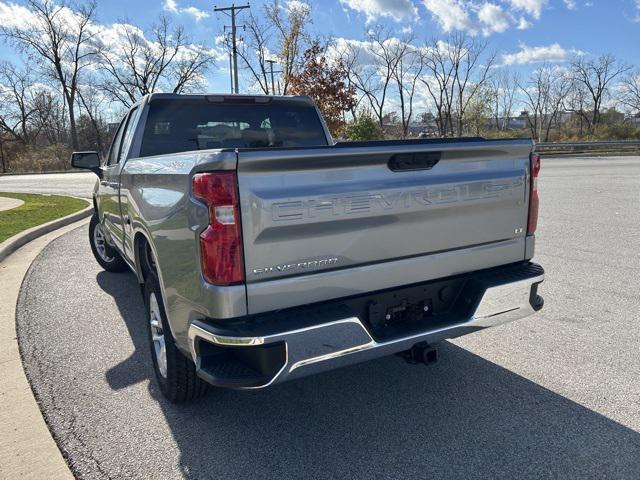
413	161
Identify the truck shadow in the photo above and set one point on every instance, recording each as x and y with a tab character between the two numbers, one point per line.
464	417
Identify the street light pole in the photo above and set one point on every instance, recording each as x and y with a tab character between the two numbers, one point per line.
234	48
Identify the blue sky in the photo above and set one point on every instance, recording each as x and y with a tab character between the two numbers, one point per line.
528	31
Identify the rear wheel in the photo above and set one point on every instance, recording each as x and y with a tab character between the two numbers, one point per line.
175	372
107	256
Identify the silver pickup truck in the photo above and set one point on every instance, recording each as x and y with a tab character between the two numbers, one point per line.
265	252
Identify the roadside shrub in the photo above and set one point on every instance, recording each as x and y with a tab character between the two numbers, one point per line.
619	131
364	128
54	157
506	133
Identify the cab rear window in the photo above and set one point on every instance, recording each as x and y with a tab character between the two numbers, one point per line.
174	126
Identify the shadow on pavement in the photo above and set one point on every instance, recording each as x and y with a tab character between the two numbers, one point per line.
464	417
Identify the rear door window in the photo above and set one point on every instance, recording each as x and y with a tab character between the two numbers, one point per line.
128	135
114	150
122	139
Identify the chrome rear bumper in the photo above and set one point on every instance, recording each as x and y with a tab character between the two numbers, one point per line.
346	341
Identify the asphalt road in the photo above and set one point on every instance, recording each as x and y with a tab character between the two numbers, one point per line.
556	395
78	184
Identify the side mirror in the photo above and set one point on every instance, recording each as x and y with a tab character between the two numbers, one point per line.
87	161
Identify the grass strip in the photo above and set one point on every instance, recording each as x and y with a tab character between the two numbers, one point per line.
36	210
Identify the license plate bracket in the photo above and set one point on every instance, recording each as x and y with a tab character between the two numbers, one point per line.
402	311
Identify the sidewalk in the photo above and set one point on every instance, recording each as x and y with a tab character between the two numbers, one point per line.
9	203
27	449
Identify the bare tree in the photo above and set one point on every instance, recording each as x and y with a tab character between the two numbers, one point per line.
51	116
407	71
456	70
373	65
3	158
254	52
348	57
17	108
187	71
92	101
137	66
630	94
24	113
439	82
62	42
502	90
544	94
470	73
478	111
596	75
291	35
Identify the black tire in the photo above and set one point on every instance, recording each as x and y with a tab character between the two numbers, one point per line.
179	382
107	256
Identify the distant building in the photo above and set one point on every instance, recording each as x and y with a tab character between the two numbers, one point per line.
512	123
634	119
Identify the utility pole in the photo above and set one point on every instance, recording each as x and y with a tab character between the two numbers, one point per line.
273	87
234	48
231	71
230	66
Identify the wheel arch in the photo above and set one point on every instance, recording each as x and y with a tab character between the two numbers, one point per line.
141	242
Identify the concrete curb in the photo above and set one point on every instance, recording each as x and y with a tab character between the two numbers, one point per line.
73	170
11	244
27	449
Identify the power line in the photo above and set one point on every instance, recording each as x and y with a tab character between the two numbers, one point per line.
234	49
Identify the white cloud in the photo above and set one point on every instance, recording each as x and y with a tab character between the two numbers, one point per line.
549	53
492	18
473	17
450	14
343	46
485	17
397	9
532	7
297	5
360	49
113	37
523	23
13	15
195	13
571	4
173	7
362	52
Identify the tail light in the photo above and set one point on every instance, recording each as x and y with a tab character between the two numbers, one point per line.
220	243
534	201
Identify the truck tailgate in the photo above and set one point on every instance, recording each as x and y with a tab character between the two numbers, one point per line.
307	211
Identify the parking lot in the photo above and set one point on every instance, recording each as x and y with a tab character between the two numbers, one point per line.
555	395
